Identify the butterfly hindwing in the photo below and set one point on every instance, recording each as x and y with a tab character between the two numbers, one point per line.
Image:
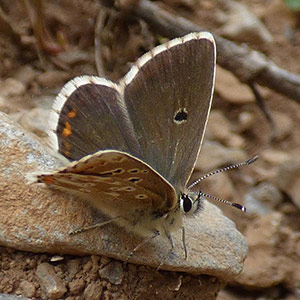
115	182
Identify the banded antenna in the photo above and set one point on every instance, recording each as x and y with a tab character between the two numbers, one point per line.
231	167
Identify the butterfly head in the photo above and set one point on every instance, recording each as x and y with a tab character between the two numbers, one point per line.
190	202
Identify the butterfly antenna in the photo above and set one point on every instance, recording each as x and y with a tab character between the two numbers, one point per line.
236	205
231	167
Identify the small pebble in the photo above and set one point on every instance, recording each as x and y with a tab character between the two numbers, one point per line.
51	284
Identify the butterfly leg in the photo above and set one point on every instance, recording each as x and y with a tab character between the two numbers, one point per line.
183	242
144	242
168	235
79	230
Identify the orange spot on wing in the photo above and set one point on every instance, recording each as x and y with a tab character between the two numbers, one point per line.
47	179
72	113
67	130
67	153
67	146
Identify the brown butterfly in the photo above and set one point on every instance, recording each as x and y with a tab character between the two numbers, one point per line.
134	144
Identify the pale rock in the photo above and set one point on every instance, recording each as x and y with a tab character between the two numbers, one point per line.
51	284
219	129
74	57
52	79
262	199
35	121
218	126
93	291
288	179
231	89
206	4
236	141
245	121
283	125
274	157
262	269
266	265
285	17
242	25
222	186
4	104
76	286
43	101
37	219
56	258
214	155
73	266
25	74
113	272
11	87
12	297
226	294
27	289
264	230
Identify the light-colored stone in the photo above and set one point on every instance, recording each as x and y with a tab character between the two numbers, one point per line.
34	218
51	284
283	125
246	121
262	199
11	87
52	79
34	120
27	289
26	74
113	272
74	56
73	267
274	157
288	178
220	129
242	25
231	89
12	297
267	264
76	286
213	155
93	291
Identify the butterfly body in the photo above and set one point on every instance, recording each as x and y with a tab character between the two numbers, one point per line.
134	144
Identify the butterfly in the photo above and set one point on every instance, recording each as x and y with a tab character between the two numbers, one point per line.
132	146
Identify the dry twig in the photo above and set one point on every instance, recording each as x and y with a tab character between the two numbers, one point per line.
247	65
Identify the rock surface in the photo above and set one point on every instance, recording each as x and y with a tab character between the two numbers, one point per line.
37	219
266	266
242	25
288	178
214	155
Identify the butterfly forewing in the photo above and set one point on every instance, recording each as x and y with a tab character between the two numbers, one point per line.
89	115
114	179
168	96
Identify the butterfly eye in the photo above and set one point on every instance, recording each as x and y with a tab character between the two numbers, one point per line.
186	203
190	203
